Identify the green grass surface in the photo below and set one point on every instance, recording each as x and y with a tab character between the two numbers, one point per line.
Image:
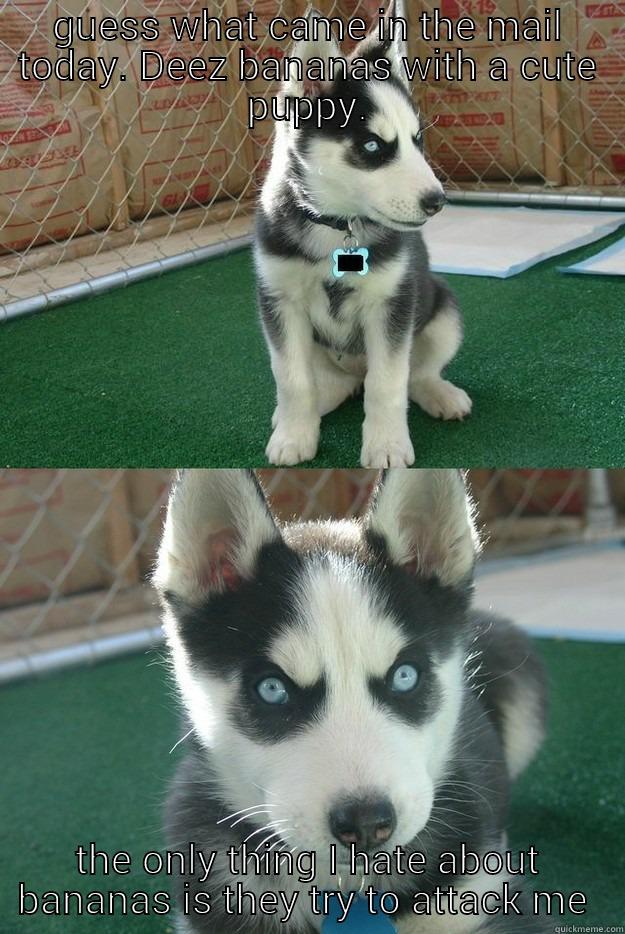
85	757
173	371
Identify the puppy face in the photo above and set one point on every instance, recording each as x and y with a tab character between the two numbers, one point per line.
326	676
374	166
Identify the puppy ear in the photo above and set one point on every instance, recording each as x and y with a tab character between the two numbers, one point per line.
392	49
217	522
313	54
426	520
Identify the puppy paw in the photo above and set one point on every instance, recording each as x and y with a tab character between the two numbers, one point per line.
290	444
386	448
441	399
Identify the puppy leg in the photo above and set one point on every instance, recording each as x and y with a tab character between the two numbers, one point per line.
334	385
432	350
296	419
385	436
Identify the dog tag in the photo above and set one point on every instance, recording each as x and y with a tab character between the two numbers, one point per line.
358	919
350	260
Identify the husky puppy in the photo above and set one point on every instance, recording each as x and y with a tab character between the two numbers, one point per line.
395	328
340	690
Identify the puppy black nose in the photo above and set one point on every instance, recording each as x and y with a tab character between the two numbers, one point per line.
365	822
432	202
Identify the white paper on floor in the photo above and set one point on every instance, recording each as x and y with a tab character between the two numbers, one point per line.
573	593
609	262
502	242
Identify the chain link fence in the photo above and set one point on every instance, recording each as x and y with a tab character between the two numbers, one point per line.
108	180
77	546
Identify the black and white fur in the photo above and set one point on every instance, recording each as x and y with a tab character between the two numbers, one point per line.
394	329
332	609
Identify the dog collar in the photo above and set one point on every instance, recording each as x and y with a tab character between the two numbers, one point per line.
344	224
326	220
358	919
352	258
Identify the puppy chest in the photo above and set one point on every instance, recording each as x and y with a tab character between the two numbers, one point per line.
338	308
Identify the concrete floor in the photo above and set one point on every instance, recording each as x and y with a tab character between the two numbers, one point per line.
573	593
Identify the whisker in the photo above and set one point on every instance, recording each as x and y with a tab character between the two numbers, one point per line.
245	817
281	840
437	807
267	839
252	807
484	684
186	736
266	827
264	790
429	125
441	822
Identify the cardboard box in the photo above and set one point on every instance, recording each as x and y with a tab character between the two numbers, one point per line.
315	494
262	134
182	141
147	498
54	532
55	180
485	130
593	112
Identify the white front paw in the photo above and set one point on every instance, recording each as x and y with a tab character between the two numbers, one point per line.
386	446
293	442
441	399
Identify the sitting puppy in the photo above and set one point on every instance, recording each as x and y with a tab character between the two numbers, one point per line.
341	691
390	323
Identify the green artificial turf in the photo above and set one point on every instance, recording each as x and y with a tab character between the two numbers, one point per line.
173	371
85	757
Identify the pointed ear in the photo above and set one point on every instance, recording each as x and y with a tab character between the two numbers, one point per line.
217	522
312	54
426	520
393	49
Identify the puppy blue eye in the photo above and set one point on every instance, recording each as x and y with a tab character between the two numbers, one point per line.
272	691
405	678
371	145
